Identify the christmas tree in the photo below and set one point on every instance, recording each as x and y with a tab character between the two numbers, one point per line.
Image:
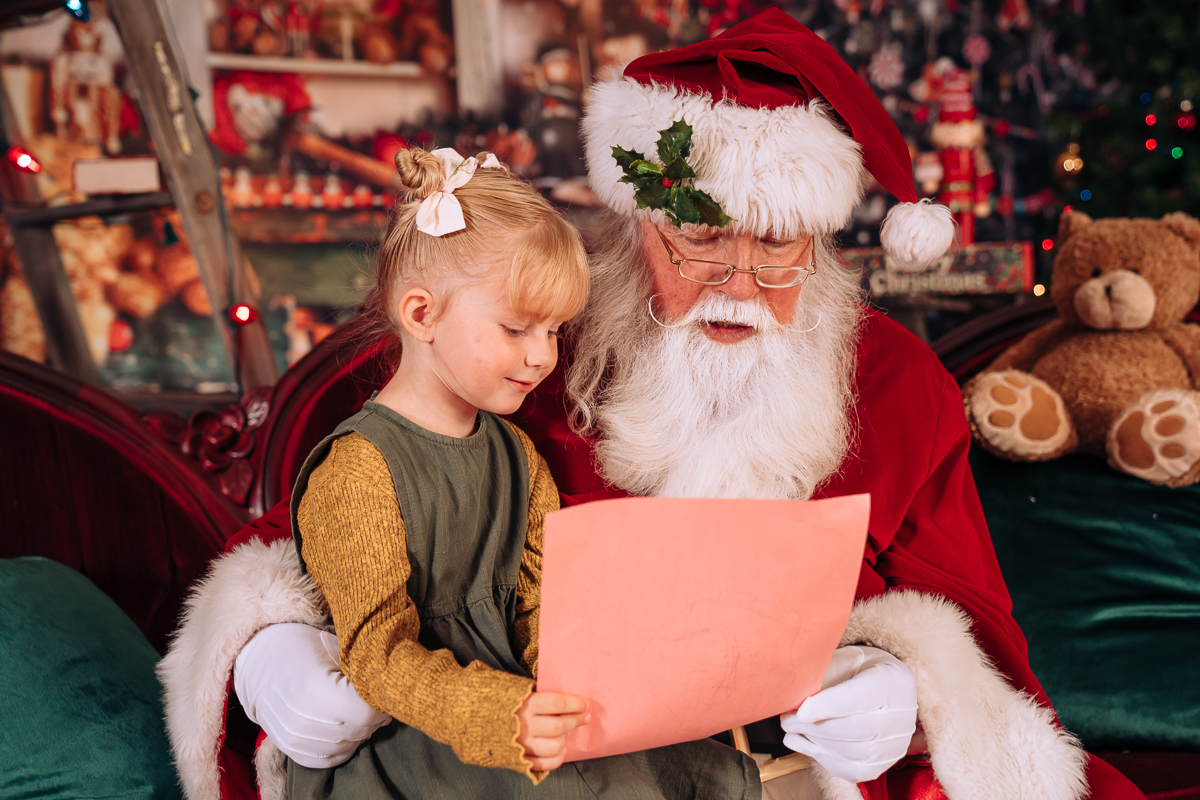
1136	132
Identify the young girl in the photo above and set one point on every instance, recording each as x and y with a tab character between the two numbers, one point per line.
420	517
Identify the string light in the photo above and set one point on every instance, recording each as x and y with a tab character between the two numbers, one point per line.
243	313
1177	152
1039	290
1151	144
1145	98
1151	119
1085	195
78	9
1047	244
22	159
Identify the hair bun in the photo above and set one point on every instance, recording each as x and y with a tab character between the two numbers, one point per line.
420	171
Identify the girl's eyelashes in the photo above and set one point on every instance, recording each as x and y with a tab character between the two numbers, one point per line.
511	331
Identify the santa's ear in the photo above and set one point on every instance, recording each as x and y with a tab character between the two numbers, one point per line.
415	310
1184	226
1070	224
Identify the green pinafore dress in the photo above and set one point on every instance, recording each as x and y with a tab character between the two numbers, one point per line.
465	504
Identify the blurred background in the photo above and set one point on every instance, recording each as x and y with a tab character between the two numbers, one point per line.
1013	110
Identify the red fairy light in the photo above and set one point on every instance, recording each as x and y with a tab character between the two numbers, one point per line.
243	314
22	159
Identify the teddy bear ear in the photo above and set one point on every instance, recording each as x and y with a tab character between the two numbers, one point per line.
1070	224
1184	226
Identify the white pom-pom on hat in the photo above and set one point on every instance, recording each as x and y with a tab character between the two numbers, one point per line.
914	234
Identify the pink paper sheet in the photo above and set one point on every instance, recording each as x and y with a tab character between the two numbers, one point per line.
678	619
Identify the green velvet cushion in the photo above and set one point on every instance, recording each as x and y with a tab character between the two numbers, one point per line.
1104	571
81	714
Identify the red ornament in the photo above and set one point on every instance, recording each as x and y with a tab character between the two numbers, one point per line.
120	336
921	114
668	182
977	50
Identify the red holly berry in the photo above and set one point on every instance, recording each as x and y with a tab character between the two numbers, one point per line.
120	336
668	182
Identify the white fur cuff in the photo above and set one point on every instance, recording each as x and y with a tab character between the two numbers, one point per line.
986	740
251	587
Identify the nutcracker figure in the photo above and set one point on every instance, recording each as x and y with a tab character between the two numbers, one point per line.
967	175
85	103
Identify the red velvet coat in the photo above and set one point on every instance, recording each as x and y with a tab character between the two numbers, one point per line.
990	730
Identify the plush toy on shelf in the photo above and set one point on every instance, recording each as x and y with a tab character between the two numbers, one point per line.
1118	373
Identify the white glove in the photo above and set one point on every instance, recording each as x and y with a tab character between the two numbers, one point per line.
288	680
862	720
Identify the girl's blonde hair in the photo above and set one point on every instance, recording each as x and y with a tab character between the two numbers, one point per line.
548	273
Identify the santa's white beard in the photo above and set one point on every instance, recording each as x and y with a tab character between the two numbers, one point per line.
684	416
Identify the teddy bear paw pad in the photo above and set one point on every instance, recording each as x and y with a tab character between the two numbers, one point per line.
1158	437
1020	415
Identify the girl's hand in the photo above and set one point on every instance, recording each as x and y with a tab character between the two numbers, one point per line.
546	718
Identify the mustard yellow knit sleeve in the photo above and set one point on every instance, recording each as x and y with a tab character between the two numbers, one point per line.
354	548
543	498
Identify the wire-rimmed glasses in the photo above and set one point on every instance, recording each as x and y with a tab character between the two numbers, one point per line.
715	273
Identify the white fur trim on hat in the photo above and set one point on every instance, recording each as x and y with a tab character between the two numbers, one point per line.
986	740
914	234
785	171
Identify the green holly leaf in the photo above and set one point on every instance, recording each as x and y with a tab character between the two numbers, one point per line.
651	195
625	158
681	202
675	142
678	169
682	208
709	210
644	167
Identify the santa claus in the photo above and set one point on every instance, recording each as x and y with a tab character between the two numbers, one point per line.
733	361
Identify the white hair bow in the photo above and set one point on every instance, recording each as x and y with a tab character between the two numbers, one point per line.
441	213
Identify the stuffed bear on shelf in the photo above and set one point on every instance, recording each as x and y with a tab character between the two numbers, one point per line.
1118	373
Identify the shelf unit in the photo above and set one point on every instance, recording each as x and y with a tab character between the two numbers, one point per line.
315	66
190	172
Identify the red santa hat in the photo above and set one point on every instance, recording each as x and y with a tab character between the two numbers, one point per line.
784	135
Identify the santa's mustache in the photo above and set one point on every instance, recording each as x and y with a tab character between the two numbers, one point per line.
723	310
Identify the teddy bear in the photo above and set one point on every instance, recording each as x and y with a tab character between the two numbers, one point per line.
1118	372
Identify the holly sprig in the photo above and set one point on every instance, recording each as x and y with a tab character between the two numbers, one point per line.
667	186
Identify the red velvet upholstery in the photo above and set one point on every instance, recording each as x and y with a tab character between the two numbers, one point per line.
83	482
319	391
970	347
